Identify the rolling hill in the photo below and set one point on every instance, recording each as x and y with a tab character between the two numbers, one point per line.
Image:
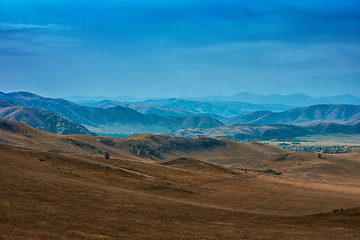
340	113
40	119
149	148
110	120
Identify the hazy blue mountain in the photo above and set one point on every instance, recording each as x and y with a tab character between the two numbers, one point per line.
40	119
148	109
294	99
228	106
102	103
84	99
220	108
110	120
340	113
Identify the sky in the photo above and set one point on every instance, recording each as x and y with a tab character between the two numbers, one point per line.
189	48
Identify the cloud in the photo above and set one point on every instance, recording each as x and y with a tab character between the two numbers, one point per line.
10	27
203	22
18	39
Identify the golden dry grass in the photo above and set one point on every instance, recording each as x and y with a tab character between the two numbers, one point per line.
75	195
65	196
228	154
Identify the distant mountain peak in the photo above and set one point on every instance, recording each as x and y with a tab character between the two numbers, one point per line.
24	94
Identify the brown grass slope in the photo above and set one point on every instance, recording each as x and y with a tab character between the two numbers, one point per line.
337	169
193	164
221	151
48	195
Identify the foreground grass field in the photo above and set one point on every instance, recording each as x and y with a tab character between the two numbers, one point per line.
65	196
56	187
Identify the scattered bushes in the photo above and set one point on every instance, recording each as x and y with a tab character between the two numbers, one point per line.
335	149
206	142
268	171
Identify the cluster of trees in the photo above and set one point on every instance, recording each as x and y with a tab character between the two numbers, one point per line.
268	171
142	149
206	142
335	149
56	124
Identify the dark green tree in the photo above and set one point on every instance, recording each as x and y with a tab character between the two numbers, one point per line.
107	156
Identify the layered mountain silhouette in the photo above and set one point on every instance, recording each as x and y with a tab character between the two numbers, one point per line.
300	100
178	117
224	109
149	109
182	107
110	120
340	113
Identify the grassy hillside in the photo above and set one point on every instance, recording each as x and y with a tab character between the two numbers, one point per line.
222	151
43	120
54	195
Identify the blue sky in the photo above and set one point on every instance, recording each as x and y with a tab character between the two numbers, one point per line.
180	48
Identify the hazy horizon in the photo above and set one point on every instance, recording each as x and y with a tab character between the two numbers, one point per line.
202	96
110	97
179	48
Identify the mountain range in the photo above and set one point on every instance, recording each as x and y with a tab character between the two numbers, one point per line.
265	125
109	120
178	117
224	109
340	113
147	108
181	107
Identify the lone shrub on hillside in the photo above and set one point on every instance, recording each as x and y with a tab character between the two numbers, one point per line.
107	156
